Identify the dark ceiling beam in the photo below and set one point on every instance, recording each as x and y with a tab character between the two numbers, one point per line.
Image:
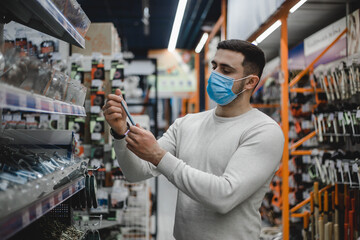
190	23
197	28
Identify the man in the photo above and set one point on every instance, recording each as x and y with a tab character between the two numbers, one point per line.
221	160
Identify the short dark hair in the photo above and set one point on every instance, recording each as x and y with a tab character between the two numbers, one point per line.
254	57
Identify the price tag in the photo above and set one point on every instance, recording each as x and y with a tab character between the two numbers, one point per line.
321	117
306	159
355	168
8	117
117	83
331	116
340	116
96	83
346	167
306	177
95	109
44	117
25	218
38	211
358	113
17	117
30	118
96	136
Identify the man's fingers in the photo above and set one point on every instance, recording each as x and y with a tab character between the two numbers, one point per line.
115	98
133	136
130	140
118	92
111	103
136	129
113	109
114	116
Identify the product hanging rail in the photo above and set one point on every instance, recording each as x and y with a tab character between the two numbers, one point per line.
32	203
45	17
18	99
311	65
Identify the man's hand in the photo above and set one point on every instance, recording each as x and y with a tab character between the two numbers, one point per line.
114	112
144	145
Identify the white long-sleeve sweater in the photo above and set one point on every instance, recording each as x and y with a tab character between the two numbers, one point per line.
222	168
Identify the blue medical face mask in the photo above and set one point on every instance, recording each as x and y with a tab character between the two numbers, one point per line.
219	88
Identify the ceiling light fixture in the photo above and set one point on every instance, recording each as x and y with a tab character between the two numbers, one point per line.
202	42
268	31
296	6
176	26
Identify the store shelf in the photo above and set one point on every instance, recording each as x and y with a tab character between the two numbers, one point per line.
44	16
38	137
19	99
24	204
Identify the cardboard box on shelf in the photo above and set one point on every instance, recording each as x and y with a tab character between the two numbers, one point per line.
102	38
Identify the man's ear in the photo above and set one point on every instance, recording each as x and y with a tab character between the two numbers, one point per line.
251	82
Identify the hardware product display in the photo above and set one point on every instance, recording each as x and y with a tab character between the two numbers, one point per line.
21	165
28	73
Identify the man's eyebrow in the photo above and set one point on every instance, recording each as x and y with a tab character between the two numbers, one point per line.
223	64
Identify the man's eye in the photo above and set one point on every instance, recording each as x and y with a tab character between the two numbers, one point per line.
225	71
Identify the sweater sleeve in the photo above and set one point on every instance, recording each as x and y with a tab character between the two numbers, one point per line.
249	168
134	168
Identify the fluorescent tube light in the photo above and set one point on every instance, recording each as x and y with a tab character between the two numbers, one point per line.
296	6
176	25
202	42
268	31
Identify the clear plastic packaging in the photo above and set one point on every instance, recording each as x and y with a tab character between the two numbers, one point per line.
81	95
58	86
27	73
76	93
38	75
15	70
73	12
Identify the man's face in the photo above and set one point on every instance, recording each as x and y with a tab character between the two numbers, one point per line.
229	63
